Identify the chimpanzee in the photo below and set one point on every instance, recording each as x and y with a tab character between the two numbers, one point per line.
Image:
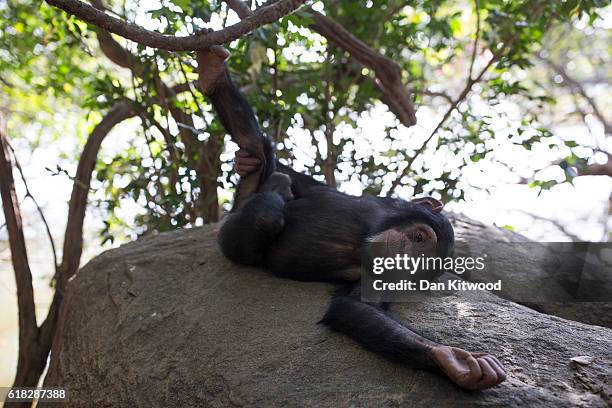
302	229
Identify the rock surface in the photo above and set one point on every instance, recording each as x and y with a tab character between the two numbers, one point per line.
167	321
531	273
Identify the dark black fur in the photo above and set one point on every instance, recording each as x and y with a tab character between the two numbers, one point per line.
318	234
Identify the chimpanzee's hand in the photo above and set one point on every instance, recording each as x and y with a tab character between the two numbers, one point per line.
472	371
245	163
211	63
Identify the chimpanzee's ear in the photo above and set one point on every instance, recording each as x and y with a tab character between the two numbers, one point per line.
435	205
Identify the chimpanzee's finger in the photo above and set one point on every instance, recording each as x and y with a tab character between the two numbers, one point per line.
242	170
251	167
248	161
220	52
489	376
472	363
242	153
497	366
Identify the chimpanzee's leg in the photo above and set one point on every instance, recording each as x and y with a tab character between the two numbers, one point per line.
301	184
377	330
247	233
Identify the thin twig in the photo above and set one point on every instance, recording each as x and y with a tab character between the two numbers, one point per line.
460	98
190	89
6	83
473	59
554	223
440	94
38	208
575	85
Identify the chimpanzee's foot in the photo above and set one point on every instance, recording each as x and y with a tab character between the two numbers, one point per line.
472	371
280	183
211	64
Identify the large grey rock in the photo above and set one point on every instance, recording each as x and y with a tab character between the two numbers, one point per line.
536	274
167	321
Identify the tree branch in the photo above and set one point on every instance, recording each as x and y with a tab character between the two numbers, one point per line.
29	354
35	343
466	90
329	111
554	223
475	49
577	87
266	14
73	238
388	73
440	94
122	57
597	169
205	152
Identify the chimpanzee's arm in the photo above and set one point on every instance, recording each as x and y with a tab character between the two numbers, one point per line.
232	108
235	113
378	331
238	119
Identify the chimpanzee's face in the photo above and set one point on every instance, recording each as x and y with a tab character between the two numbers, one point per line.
421	229
414	240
